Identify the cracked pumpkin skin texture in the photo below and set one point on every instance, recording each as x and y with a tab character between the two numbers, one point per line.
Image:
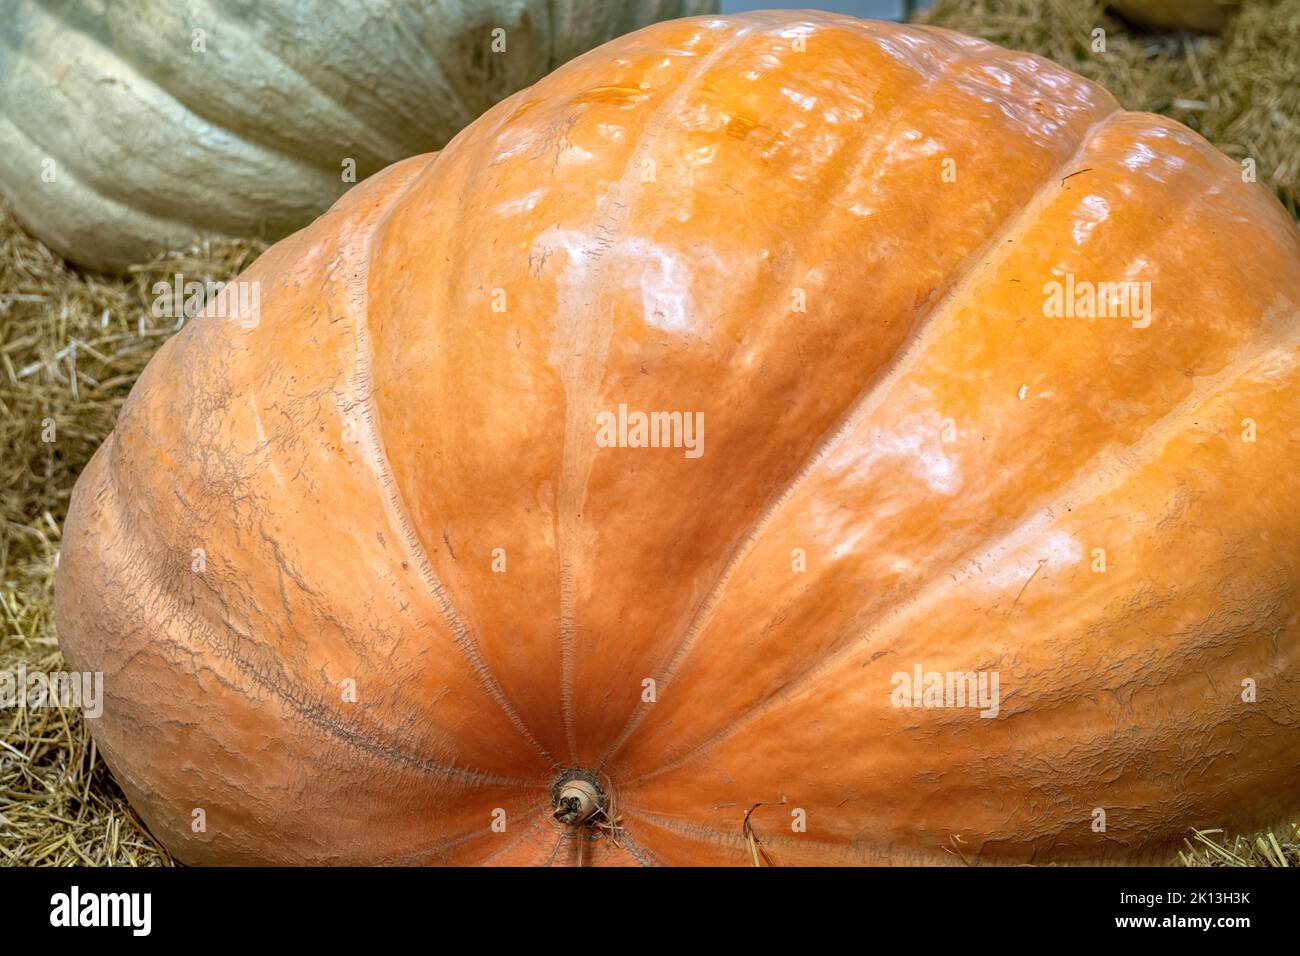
947	458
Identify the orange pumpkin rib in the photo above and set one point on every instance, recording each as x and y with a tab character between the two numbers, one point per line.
581	366
398	513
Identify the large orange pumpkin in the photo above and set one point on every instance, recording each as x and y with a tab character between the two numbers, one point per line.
369	584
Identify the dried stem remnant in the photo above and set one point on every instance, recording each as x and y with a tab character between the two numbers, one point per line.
577	801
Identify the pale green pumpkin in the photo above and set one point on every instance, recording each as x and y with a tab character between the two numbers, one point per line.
132	126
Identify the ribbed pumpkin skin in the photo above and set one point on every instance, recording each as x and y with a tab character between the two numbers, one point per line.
156	142
350	465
